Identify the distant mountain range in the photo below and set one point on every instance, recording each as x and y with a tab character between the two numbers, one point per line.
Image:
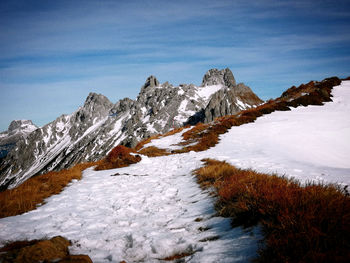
94	129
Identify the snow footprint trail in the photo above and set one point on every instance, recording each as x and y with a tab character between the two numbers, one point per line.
150	211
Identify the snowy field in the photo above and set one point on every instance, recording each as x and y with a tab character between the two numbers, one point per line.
155	209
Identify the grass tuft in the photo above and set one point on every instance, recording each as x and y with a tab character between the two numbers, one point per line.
153	151
301	223
120	156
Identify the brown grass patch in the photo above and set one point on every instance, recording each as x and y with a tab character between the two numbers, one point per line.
174	131
145	141
153	151
301	223
52	250
120	156
35	190
177	256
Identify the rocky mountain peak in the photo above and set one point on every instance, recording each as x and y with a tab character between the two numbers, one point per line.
18	129
151	82
217	77
96	99
97	102
19	125
95	106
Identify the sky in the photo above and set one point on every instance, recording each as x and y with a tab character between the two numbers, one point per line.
53	53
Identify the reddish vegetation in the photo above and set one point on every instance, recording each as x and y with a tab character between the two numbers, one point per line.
177	256
153	151
308	223
35	190
144	142
55	249
120	156
174	131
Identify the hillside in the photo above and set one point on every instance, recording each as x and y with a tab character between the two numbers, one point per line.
154	210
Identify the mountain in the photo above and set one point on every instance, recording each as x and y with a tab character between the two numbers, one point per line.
99	125
18	129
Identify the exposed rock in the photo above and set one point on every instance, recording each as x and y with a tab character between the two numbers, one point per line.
151	82
217	77
18	129
230	101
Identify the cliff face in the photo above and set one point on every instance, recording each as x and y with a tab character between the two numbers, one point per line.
99	125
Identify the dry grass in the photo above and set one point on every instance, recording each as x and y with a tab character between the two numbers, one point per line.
174	131
153	151
45	250
178	256
120	156
35	190
301	223
145	141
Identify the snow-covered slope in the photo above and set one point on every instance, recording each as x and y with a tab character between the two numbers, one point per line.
143	213
155	209
99	125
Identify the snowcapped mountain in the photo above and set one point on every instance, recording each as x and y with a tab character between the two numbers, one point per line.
99	125
18	129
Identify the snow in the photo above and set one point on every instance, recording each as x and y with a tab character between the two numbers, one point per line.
118	124
59	126
168	142
183	114
146	213
154	209
47	137
150	128
180	92
207	91
28	128
92	128
45	158
242	105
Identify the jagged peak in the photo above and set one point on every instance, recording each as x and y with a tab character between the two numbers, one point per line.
97	99
217	77
151	81
21	124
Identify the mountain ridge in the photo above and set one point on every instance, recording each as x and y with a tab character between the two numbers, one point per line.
95	128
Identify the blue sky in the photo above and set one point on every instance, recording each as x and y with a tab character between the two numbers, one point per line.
53	53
